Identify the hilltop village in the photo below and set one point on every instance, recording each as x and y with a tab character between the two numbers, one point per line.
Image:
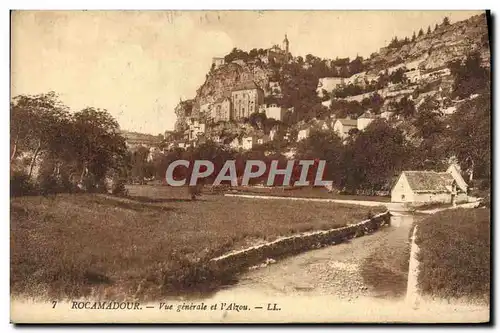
243	87
269	100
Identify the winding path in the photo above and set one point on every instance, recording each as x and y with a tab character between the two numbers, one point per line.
334	272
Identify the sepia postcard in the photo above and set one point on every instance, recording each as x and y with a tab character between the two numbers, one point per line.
250	166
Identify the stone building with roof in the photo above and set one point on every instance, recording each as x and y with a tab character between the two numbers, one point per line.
246	99
221	109
365	119
343	126
419	187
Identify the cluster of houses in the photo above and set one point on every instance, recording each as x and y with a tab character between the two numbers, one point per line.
276	53
344	127
412	72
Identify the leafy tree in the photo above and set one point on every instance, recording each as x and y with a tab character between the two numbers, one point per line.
413	37
86	142
406	107
420	32
469	76
343	109
356	66
38	125
374	157
138	163
374	102
253	53
97	142
257	120
470	136
323	145
319	111
436	27
428	123
428	30
344	71
236	54
394	42
310	59
446	21
429	152
298	87
397	76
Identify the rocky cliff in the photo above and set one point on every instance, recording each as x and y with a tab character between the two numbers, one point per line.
434	50
221	81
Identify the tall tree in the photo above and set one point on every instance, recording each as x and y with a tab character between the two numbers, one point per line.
469	76
98	143
470	138
37	125
374	157
323	145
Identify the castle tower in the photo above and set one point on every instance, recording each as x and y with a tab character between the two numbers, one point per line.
286	45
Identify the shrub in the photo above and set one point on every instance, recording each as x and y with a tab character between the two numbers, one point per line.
455	254
118	187
50	184
47	184
20	184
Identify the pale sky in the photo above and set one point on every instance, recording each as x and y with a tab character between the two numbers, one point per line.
137	64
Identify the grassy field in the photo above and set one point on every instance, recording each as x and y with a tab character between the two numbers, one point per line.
455	254
154	243
309	192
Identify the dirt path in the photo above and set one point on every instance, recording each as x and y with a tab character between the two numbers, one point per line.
390	205
333	270
332	276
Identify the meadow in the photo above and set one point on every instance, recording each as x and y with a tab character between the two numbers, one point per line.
152	243
455	254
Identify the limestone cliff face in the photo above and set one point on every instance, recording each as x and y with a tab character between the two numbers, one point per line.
437	48
221	81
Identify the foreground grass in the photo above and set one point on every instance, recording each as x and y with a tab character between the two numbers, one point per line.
455	254
155	244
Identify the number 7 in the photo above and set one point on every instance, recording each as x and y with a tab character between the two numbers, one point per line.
54	304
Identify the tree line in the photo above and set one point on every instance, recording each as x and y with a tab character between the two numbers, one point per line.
55	149
398	43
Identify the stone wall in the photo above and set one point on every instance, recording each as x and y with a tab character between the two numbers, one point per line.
287	246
